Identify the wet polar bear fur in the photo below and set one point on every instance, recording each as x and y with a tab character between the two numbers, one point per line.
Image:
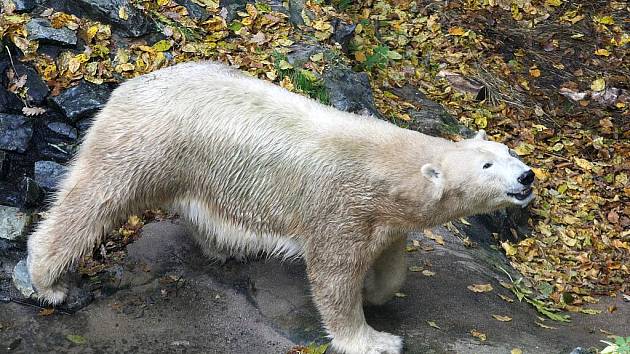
256	168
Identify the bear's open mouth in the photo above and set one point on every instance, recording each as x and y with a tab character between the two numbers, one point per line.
522	195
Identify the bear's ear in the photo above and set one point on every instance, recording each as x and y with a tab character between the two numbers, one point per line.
481	135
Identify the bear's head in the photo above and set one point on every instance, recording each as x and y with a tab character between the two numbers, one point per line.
479	176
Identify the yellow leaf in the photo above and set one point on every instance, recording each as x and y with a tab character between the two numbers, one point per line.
456	31
516	351
91	32
584	164
481	121
284	65
360	57
480	288
602	52
541	174
321	25
524	149
317	57
162	46
509	249
604	20
122	13
553	2
534	72
428	273
502	318
598	85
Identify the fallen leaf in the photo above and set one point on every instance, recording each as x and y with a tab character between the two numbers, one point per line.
433	324
456	31
544	325
480	288
428	273
401	295
502	318
47	311
76	339
479	335
516	351
415	269
510	250
602	52
598	85
506	298
33	111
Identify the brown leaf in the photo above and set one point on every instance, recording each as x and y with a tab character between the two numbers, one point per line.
47	311
502	318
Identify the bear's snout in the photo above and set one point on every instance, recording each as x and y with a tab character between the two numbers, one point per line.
526	178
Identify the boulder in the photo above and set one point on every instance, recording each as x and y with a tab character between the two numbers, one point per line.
40	29
343	33
137	23
9	102
25	5
82	100
37	88
350	91
14	223
65	130
431	118
195	11
15	132
22	280
48	174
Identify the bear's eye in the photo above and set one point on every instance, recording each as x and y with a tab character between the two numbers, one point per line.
487	165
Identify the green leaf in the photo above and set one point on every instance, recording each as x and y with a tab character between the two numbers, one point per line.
76	339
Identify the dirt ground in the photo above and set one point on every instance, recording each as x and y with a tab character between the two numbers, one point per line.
166	297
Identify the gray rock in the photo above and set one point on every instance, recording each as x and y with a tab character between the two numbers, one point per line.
137	24
580	350
63	129
48	174
195	11
343	33
25	5
22	280
300	53
232	7
9	102
37	88
15	132
14	223
41	29
29	192
4	163
350	91
295	12
432	118
82	100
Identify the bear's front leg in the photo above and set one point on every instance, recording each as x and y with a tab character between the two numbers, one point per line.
387	274
336	275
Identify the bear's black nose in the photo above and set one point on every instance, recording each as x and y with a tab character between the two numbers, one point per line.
526	178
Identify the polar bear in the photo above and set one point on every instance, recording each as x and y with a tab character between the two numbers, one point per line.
256	168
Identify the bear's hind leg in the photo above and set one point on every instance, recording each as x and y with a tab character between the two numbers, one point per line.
386	275
85	208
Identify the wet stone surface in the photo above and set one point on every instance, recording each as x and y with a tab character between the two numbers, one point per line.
48	174
82	100
15	132
40	29
350	91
